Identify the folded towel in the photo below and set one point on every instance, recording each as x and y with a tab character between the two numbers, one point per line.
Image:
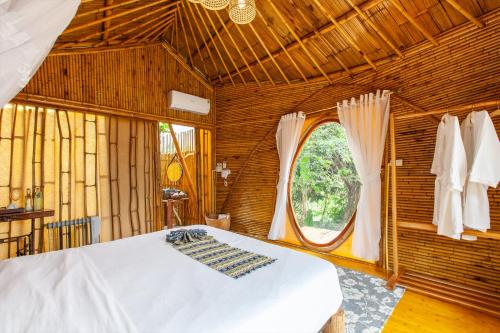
183	236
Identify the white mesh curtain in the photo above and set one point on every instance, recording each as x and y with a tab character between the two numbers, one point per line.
365	121
28	30
287	139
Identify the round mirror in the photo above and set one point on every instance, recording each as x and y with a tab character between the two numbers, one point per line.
174	171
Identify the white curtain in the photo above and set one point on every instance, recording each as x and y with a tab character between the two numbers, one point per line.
287	140
365	121
28	30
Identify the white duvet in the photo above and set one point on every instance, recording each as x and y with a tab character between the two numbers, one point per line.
141	283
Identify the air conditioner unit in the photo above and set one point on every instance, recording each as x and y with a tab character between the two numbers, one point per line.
189	103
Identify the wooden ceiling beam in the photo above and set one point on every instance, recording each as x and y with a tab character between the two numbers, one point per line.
374	27
161	29
104	9
144	31
107	24
191	11
159	34
193	35
299	40
269	53
224	46
250	47
237	48
204	23
413	22
276	38
185	36
189	68
326	42
89	36
326	28
219	31
343	33
124	13
465	13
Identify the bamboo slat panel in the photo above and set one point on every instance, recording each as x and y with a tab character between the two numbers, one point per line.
137	80
464	69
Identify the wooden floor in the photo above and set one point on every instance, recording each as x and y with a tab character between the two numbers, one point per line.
417	313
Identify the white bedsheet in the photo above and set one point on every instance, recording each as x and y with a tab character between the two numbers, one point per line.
162	290
57	292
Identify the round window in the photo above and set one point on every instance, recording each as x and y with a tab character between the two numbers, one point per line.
325	187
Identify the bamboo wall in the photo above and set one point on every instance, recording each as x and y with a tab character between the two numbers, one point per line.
464	69
136	80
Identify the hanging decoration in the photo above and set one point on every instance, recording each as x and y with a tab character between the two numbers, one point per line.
195	1
242	11
214	4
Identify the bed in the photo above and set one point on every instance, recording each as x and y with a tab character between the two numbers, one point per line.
142	284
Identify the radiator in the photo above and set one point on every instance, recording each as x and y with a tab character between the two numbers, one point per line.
73	233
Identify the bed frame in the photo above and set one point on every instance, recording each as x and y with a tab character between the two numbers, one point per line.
336	324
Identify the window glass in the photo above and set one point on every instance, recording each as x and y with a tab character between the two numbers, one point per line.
325	186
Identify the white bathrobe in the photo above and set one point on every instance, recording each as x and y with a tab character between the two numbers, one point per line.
483	158
450	167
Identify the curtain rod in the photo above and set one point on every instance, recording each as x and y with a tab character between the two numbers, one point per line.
454	109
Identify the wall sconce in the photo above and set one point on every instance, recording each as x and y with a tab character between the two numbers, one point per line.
221	168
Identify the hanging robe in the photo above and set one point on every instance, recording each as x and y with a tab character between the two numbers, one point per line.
450	167
483	156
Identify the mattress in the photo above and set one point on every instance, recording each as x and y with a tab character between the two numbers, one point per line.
156	288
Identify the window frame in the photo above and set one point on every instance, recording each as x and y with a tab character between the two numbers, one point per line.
348	229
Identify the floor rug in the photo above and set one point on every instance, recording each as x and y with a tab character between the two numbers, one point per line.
367	303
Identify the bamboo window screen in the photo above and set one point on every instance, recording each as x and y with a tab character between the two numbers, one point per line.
86	164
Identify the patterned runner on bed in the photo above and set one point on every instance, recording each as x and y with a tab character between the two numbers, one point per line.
222	257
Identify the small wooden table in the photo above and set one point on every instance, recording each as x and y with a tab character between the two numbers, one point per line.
24	215
168	210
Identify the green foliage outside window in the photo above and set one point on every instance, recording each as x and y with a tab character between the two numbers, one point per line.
325	186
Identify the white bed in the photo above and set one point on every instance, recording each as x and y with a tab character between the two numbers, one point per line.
142	284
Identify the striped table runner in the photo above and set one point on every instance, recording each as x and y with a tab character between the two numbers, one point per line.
226	259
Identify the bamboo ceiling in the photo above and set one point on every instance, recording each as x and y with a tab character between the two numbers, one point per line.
289	41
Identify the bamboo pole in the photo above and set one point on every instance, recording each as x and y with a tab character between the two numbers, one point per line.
250	47
465	13
216	68
185	36
410	19
204	24
298	39
395	258
352	14
276	38
195	39
451	109
425	226
134	28
268	52
374	27
224	46
343	33
107	24
183	162
103	9
104	19
181	62
326	42
160	26
152	28
237	48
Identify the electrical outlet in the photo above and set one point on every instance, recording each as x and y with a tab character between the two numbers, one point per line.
398	163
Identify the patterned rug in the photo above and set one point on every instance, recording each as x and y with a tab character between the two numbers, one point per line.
367	303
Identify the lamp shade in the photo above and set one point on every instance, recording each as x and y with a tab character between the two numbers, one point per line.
242	11
214	4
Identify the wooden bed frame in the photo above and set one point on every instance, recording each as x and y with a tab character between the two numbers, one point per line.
336	324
